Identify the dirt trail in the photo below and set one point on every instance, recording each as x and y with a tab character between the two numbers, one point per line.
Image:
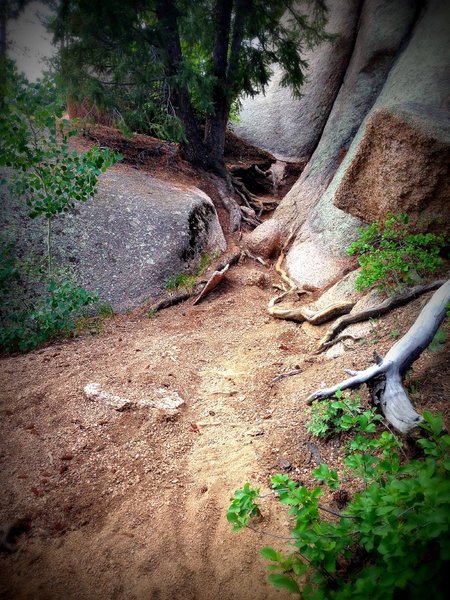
131	505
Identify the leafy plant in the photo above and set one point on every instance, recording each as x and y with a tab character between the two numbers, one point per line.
393	255
243	507
182	280
50	178
439	340
341	414
391	542
188	280
51	315
34	144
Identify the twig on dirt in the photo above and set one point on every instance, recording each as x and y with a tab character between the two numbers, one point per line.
284	375
315	453
171	300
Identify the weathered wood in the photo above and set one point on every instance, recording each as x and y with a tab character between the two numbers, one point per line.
212	283
375	311
185	295
302	313
392	396
171	300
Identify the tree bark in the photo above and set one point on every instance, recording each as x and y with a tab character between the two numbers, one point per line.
216	124
388	373
194	149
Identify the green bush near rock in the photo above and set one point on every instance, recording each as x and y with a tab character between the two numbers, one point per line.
392	254
50	178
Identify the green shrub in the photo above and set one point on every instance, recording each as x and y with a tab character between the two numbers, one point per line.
34	145
50	178
391	542
341	414
391	255
182	280
47	317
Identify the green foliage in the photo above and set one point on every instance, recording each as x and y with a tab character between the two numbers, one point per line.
344	413
392	255
153	68
182	280
205	261
35	308
50	178
392	540
439	340
243	507
35	145
47	317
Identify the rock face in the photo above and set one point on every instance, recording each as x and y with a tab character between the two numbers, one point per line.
290	127
265	239
379	178
317	256
131	238
385	143
399	160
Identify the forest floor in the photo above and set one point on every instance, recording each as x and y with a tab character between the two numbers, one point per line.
124	505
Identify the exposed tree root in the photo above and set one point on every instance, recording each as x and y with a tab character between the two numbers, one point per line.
304	314
373	312
385	377
171	301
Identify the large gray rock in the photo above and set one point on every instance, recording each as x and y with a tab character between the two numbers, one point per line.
289	127
265	239
130	238
325	231
399	161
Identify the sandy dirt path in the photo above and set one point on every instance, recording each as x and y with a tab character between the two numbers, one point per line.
132	505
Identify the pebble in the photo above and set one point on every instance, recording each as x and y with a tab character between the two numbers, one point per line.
284	464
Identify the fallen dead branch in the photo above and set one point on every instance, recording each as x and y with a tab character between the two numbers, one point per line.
285	375
171	301
385	377
212	283
374	312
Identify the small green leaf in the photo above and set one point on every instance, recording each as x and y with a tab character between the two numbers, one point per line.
270	554
284	582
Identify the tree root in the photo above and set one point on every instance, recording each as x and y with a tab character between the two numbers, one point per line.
304	314
373	312
385	377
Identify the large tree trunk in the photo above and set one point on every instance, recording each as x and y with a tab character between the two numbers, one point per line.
385	377
195	151
216	124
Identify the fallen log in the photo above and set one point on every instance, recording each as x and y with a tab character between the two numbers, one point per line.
385	377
